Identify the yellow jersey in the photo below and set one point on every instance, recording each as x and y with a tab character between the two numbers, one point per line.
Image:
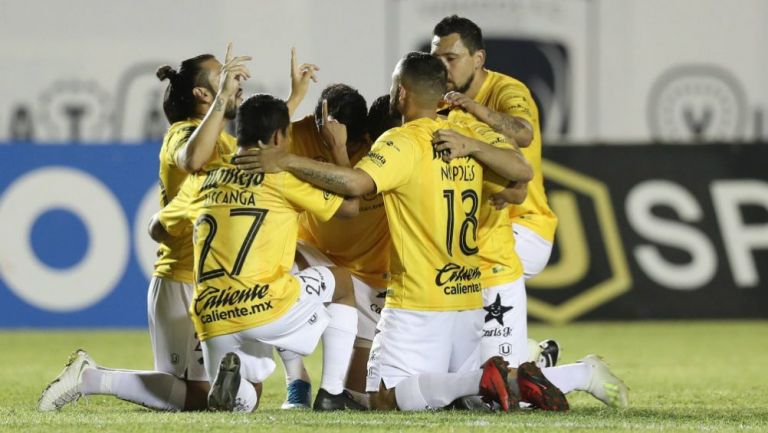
507	95
359	245
174	258
245	228
432	210
499	262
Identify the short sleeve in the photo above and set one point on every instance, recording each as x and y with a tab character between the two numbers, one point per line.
176	142
486	134
391	161
175	215
516	100
305	197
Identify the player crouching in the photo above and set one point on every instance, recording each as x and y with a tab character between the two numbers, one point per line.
246	300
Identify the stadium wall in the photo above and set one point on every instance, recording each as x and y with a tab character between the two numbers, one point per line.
646	232
609	71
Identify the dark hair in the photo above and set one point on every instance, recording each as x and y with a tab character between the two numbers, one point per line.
347	106
380	118
470	34
424	74
179	103
259	117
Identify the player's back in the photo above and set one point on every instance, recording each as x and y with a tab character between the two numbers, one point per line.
245	238
432	209
499	262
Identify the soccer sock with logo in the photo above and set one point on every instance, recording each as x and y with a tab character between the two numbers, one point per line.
569	377
294	366
338	339
436	390
153	389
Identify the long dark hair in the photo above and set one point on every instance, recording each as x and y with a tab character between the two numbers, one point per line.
179	103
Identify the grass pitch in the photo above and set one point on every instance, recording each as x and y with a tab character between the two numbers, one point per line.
684	376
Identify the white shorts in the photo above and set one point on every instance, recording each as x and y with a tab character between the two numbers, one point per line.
533	250
298	330
368	300
174	342
505	331
418	342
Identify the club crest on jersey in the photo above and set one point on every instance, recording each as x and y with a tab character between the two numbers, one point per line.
496	311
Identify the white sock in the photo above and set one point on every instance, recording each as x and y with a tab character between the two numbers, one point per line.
436	390
294	366
569	377
152	389
246	398
338	339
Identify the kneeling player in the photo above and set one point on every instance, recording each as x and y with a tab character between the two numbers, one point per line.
246	300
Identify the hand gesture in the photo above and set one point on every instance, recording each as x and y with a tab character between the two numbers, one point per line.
301	75
264	158
456	99
232	72
452	144
334	133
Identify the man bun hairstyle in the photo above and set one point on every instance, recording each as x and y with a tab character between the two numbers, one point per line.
425	75
178	102
470	34
347	106
165	72
258	117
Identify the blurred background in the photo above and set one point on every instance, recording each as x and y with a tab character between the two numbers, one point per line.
654	117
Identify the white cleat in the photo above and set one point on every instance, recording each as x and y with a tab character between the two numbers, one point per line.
604	385
66	387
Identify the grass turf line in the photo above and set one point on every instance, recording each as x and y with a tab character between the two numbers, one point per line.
684	376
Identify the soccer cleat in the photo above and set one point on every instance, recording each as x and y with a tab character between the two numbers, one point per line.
550	352
604	385
325	401
494	385
473	402
223	393
537	390
66	387
299	395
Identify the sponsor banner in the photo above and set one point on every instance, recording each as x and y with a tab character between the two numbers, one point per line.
645	231
75	248
653	231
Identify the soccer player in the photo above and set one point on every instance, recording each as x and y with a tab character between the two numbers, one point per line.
246	300
508	107
425	353
336	133
201	98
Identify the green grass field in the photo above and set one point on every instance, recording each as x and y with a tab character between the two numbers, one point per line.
684	376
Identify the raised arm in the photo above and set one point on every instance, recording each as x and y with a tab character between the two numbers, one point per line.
200	147
300	77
